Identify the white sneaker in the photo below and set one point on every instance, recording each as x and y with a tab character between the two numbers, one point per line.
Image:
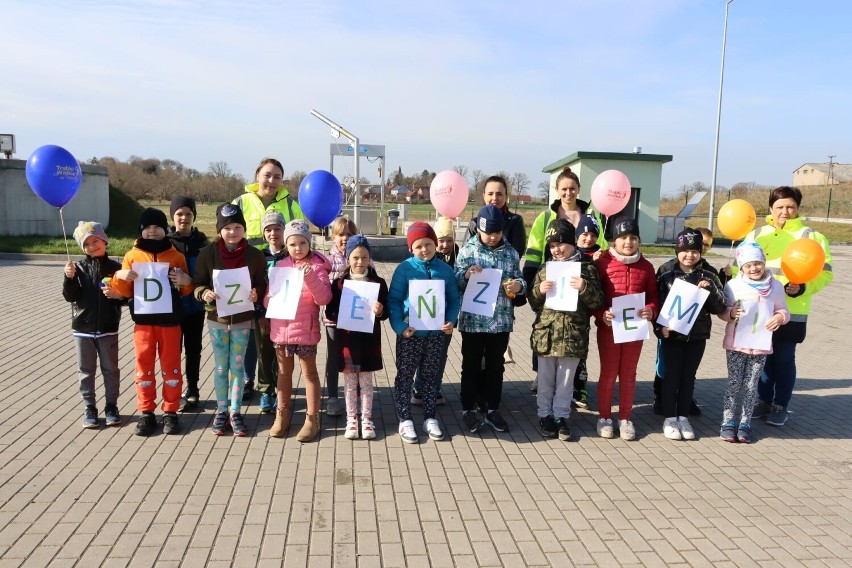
351	432
431	427
407	433
605	428
670	429
685	428
368	431
626	430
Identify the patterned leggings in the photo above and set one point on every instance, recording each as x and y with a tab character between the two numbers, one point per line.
743	373
351	382
229	349
427	353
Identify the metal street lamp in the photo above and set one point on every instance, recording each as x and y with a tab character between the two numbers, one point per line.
336	131
718	123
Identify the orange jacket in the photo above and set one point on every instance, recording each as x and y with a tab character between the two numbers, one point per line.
175	260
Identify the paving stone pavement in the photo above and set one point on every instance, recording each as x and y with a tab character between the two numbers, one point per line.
75	497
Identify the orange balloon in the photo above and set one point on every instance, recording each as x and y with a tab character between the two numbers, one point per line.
802	261
736	219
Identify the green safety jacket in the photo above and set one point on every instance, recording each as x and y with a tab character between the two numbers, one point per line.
773	241
253	211
535	255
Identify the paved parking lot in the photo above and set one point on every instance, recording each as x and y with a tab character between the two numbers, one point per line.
75	497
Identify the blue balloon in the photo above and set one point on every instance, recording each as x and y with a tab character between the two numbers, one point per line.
321	197
54	174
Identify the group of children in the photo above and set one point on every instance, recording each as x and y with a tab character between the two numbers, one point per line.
99	287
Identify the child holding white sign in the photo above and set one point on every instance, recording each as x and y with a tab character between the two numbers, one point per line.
487	336
623	271
561	338
753	285
229	334
359	352
682	352
155	330
425	346
300	336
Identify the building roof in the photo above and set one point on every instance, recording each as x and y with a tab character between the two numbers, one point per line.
840	173
628	156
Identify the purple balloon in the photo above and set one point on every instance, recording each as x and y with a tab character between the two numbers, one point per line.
321	197
54	174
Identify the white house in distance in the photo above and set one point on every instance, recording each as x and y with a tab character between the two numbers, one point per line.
643	170
818	174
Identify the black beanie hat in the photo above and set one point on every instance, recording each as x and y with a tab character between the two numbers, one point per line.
182	201
153	216
561	231
228	213
689	239
625	226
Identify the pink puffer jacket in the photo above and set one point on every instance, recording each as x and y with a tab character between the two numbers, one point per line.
316	292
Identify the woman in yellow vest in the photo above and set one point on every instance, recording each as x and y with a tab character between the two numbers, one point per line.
266	194
783	227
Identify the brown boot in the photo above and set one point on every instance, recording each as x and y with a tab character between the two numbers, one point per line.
282	423
310	429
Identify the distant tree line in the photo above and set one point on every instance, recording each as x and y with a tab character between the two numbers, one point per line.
159	180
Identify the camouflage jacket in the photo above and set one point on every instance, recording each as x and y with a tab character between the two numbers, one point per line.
565	334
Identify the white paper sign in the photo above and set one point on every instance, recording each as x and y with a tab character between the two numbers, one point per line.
682	306
751	332
626	325
426	304
285	288
480	295
562	297
233	287
356	306
152	292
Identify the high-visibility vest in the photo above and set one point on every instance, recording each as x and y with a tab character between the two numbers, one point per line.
253	211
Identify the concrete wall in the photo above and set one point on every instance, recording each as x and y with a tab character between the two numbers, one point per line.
23	213
647	176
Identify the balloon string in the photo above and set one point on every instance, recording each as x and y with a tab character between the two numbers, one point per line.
64	235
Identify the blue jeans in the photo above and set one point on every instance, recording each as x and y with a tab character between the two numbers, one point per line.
779	374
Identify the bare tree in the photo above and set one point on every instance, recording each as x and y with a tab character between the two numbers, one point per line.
295	182
220	169
462	171
522	183
477	176
544	189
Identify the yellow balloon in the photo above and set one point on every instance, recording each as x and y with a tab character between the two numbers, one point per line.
736	219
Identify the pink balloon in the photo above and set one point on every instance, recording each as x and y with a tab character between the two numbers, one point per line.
610	192
449	194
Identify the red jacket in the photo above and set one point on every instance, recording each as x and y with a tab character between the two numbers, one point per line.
619	279
316	292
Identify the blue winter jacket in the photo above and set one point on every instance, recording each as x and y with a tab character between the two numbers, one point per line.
415	269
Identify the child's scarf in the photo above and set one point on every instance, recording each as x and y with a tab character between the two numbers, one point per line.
233	258
761	286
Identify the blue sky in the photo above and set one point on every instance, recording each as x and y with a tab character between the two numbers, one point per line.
494	86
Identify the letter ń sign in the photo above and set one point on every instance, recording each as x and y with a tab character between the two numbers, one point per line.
682	306
233	287
356	306
152	291
480	295
426	304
